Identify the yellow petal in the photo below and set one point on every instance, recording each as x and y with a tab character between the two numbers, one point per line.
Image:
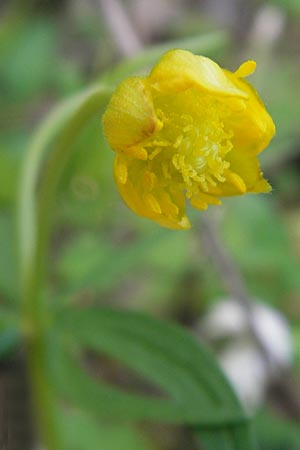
244	175
130	117
121	171
261	186
190	130
245	69
235	180
152	204
179	70
148	200
252	125
202	200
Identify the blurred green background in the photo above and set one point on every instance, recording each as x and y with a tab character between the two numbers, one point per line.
102	253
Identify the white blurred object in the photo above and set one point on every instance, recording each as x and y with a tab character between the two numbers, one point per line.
268	25
225	318
246	370
154	16
228	318
119	25
225	12
240	356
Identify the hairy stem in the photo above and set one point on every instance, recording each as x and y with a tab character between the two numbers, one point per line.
49	153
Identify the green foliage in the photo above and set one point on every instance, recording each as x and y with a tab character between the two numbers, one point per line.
275	433
282	98
194	389
121	259
81	432
227	438
9	171
8	265
290	6
108	265
30	61
259	240
9	340
10	335
27	58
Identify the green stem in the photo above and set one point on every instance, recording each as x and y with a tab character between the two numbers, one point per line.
54	139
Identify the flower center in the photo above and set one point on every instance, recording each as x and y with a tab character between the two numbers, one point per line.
192	144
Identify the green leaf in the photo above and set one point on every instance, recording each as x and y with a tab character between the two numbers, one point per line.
9	172
8	266
82	432
290	6
227	438
277	433
107	264
195	390
27	60
34	220
9	340
260	243
59	129
10	335
282	98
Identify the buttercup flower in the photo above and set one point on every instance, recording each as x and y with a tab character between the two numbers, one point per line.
188	130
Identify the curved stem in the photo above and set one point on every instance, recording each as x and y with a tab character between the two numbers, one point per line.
34	220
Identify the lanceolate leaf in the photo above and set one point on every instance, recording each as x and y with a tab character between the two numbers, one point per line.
82	432
194	389
233	437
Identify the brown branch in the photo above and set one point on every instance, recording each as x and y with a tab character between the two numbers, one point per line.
124	35
232	280
283	386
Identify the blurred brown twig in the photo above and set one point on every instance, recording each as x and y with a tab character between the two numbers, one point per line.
119	26
283	388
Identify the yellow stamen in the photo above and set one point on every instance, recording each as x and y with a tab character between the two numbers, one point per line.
237	182
152	203
121	173
137	152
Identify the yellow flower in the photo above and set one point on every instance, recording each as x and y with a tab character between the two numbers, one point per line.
187	130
